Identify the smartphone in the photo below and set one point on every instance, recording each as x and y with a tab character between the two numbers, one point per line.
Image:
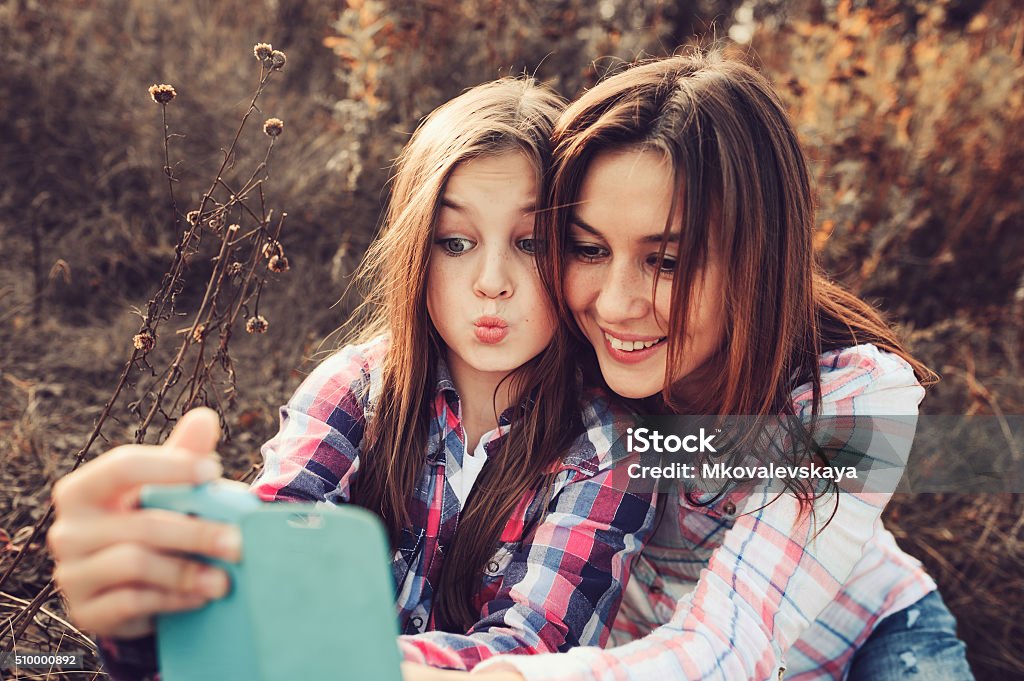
311	598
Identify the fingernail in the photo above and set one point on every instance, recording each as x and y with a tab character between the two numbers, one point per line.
229	543
209	469
213	583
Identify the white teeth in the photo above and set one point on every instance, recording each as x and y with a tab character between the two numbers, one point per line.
630	346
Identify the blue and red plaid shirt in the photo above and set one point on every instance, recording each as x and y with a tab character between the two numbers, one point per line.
558	575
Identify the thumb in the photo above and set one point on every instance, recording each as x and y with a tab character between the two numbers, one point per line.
197	431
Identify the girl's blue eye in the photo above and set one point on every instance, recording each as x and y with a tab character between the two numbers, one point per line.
528	246
455	245
588	252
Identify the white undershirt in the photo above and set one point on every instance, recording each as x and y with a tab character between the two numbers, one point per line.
463	481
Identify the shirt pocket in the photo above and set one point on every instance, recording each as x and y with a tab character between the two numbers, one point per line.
499	562
493	577
718	505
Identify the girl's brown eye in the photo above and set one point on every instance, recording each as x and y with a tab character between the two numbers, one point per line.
668	265
588	252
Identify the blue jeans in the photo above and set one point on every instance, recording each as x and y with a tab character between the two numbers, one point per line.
915	644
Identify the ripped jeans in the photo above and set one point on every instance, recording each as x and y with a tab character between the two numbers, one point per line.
915	644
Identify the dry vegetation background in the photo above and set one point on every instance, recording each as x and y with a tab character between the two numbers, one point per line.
911	113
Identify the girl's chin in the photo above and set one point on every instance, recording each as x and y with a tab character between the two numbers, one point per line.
632	394
633	385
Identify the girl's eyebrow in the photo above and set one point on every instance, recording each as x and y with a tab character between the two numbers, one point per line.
655	238
528	207
579	222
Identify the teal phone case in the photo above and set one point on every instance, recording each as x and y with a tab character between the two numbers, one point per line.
312	597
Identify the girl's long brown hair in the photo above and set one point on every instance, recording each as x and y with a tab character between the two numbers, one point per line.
501	116
743	184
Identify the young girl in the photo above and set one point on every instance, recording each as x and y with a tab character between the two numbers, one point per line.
683	217
457	418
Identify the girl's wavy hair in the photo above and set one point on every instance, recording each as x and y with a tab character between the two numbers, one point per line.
743	182
511	114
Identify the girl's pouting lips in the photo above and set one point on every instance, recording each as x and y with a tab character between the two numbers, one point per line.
490	330
631	348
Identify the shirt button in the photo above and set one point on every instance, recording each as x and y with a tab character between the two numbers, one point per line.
493	567
417	622
728	508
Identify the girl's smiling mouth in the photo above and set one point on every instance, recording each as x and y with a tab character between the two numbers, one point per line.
631	349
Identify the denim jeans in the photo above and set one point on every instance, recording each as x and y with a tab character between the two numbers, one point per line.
915	644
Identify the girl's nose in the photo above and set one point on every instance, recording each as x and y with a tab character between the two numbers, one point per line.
494	278
625	295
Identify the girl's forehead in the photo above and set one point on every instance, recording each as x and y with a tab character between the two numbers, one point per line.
629	192
504	172
643	172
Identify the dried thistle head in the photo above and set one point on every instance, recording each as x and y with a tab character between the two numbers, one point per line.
257	324
234	269
216	222
144	341
272	248
199	333
273	127
162	93
277	60
263	51
278	264
192	217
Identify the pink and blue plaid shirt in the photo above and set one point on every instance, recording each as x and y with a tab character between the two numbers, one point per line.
557	577
743	589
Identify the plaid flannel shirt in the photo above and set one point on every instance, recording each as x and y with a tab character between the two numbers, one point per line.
742	589
557	577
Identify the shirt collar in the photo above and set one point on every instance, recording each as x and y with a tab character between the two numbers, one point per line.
446	386
444	378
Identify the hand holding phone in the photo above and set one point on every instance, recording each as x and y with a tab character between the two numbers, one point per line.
311	597
116	564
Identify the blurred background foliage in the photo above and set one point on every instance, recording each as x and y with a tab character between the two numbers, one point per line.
910	112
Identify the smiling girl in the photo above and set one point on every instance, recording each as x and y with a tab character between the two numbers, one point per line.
681	236
457	417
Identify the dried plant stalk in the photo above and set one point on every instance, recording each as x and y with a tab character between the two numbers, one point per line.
248	248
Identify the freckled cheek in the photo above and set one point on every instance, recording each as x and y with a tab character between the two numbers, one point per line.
431	283
580	288
546	326
539	314
435	275
663	306
448	279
